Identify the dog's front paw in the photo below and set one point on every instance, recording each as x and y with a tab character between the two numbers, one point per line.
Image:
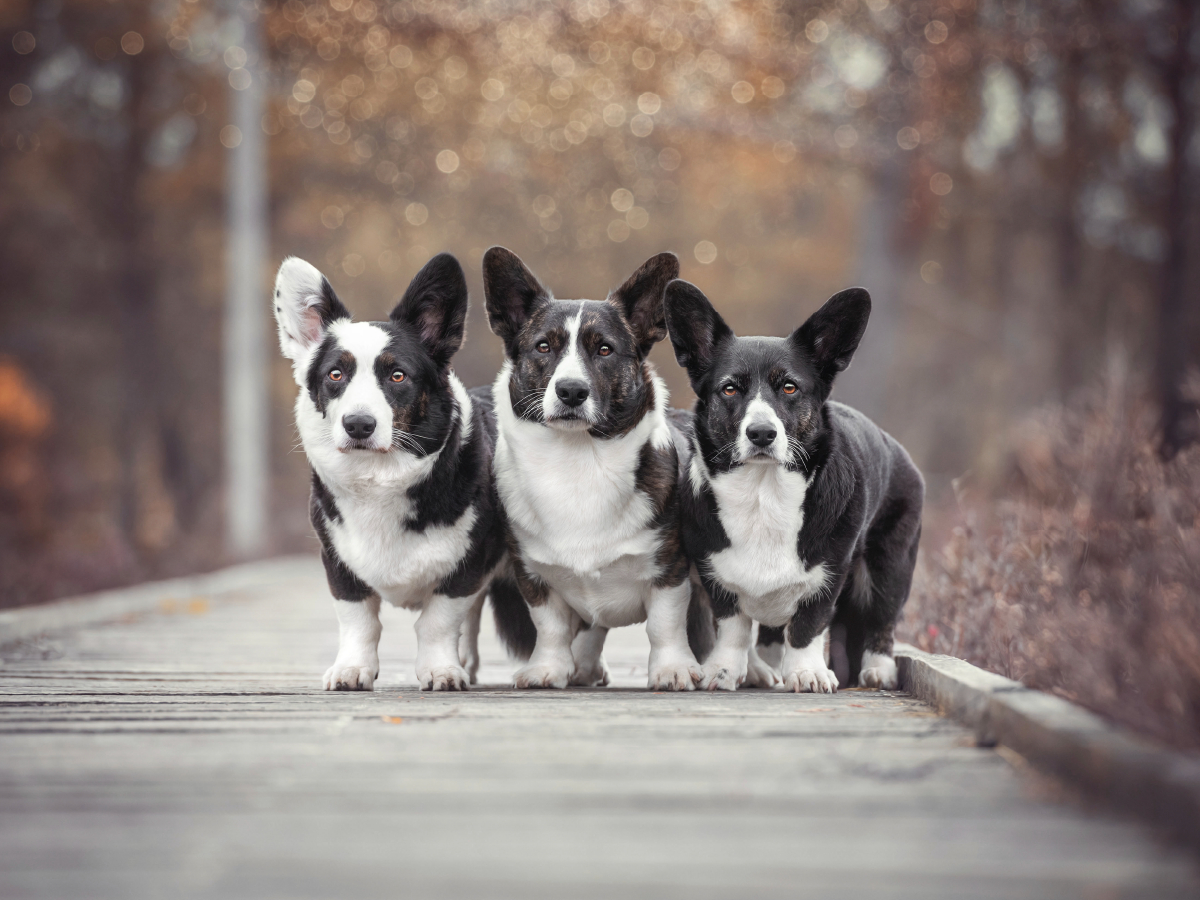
882	675
445	678
722	675
593	675
814	681
542	675
674	675
351	678
760	674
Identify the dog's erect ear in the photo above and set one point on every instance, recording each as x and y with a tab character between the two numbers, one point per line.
512	293
831	334
435	306
305	307
641	299
696	328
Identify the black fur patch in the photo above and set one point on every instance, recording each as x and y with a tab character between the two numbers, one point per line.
862	507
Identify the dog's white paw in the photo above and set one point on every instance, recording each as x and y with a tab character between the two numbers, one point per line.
445	678
722	675
759	674
811	681
471	664
674	675
882	675
542	675
351	678
593	675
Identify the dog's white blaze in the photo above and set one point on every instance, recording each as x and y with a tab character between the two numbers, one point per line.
363	394
573	507
371	492
759	412
761	508
569	367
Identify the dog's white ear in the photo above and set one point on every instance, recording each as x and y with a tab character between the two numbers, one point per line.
305	307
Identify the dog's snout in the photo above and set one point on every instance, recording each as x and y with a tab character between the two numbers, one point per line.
572	392
761	435
359	427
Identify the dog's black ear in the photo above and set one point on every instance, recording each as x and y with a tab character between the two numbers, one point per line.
305	306
435	306
512	293
831	334
696	329
641	299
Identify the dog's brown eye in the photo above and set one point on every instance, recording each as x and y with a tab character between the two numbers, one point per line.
789	388
397	376
604	350
335	375
729	390
543	347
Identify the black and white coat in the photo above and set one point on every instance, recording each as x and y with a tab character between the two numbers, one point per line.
799	513
402	496
587	466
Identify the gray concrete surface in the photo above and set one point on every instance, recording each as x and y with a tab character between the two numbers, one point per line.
188	752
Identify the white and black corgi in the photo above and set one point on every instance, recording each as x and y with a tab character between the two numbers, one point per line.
587	468
402	494
799	513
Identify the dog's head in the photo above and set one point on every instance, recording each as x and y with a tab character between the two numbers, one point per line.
373	386
760	398
577	365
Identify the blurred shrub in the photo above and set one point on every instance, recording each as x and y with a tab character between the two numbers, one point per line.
1080	574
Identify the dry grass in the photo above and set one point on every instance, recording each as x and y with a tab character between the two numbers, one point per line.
1079	574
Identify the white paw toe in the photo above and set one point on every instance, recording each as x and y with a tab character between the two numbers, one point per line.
762	676
445	678
880	678
811	681
350	678
682	676
541	676
720	678
593	676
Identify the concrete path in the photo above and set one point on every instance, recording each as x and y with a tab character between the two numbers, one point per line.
188	753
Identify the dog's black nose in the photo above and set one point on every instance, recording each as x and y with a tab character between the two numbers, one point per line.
571	391
359	427
761	435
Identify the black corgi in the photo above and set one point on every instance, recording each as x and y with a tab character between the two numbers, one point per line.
799	513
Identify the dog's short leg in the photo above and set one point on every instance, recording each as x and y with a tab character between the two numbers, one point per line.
357	663
725	668
805	668
438	628
551	665
468	641
672	665
759	672
588	651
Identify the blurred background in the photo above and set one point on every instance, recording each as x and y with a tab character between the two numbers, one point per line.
1011	179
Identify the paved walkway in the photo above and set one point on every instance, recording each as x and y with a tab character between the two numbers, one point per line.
188	753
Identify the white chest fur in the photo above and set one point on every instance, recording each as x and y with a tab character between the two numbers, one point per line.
371	493
573	506
761	508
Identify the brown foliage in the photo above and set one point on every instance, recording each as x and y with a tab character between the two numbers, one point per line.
1085	580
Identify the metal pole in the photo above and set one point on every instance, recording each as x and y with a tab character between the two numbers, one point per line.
245	391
